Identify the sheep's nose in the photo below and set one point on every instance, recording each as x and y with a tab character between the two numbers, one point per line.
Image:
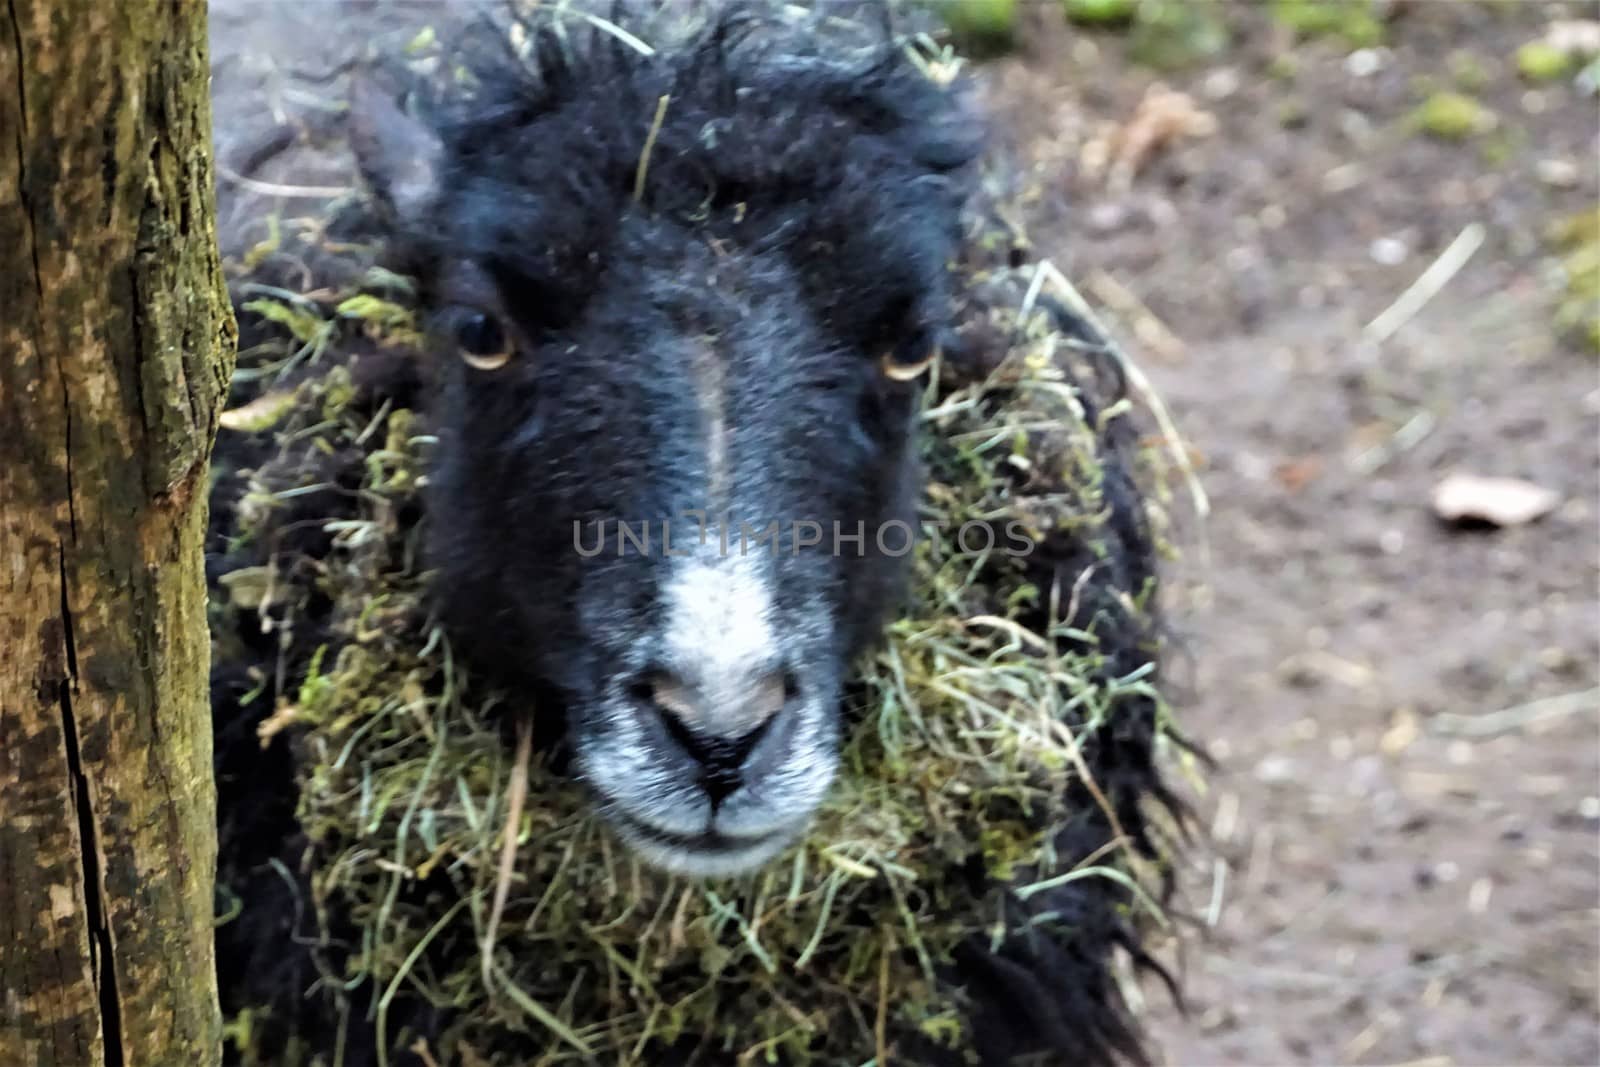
719	739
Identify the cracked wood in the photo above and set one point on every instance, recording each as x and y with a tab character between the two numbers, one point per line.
116	344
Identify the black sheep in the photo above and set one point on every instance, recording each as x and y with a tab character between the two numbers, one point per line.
682	305
684	290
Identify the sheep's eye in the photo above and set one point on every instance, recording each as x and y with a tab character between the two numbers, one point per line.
482	341
904	365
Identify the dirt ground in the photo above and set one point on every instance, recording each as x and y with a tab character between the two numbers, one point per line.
1405	871
1404	865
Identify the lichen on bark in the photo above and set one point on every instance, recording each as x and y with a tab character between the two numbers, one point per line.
116	344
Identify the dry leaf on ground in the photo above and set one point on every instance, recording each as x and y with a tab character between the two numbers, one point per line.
1163	116
1498	501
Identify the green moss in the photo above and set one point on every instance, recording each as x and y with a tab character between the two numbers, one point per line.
1452	116
1578	313
1349	21
424	41
384	320
300	319
1540	62
986	24
1100	12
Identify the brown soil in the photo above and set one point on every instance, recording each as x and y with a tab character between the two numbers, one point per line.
1405	866
1393	879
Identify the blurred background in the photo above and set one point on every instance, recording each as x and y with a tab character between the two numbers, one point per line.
1355	245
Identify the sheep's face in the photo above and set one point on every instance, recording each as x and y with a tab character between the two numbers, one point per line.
684	509
675	484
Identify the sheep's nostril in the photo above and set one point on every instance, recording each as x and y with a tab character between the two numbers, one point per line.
720	740
721	766
721	759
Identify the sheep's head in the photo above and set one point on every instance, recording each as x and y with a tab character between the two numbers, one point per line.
683	305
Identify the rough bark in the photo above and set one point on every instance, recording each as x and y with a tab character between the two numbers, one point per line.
115	348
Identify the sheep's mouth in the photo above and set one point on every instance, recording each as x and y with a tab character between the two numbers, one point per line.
708	853
708	841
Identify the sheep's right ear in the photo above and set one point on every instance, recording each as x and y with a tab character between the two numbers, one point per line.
399	156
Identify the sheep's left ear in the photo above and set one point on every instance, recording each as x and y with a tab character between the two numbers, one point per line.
398	155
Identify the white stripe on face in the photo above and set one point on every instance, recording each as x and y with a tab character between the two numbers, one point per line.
723	642
719	636
711	395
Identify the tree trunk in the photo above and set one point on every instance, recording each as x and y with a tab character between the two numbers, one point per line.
116	344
